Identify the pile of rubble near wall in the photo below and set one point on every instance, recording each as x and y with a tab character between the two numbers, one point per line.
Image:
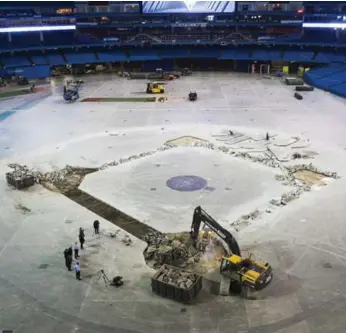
63	179
173	251
22	171
177	277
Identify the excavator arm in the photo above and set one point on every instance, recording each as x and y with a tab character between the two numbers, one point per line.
200	216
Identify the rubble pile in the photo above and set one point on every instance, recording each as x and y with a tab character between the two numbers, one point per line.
177	278
170	249
22	172
245	219
296	156
133	157
62	179
125	160
59	176
127	240
289	196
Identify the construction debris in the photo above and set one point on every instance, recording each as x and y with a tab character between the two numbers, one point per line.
127	240
21	177
176	277
172	249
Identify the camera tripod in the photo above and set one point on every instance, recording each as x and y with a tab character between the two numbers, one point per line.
102	274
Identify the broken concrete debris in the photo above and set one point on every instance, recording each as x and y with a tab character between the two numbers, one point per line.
280	177
176	277
172	249
127	240
133	157
21	171
245	219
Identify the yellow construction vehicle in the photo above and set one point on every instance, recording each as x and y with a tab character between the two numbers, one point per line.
155	88
247	272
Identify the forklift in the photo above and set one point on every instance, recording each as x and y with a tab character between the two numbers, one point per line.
22	81
155	88
248	273
186	72
192	96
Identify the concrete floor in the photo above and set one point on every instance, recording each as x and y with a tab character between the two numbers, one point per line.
304	241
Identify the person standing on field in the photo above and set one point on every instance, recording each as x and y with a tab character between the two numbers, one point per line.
77	270
75	248
81	238
97	227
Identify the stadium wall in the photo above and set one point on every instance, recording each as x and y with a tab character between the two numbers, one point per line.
30	72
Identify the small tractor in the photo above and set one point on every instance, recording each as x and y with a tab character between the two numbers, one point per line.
192	96
71	90
186	72
22	81
155	88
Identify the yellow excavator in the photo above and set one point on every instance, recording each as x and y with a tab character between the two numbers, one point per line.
248	272
155	88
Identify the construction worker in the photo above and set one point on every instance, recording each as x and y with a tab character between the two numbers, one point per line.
75	248
68	258
81	238
96	227
77	270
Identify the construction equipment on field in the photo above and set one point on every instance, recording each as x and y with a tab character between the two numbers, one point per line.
155	88
186	72
3	83
71	90
192	96
22	81
247	272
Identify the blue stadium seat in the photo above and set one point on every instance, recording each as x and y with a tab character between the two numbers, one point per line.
204	53
331	78
227	54
15	61
259	55
143	55
87	39
274	55
79	57
242	54
25	39
39	60
171	53
53	38
55	59
339	89
112	56
297	55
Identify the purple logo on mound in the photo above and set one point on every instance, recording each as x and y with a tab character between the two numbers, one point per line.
186	183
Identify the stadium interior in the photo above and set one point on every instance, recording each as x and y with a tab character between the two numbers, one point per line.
208	140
